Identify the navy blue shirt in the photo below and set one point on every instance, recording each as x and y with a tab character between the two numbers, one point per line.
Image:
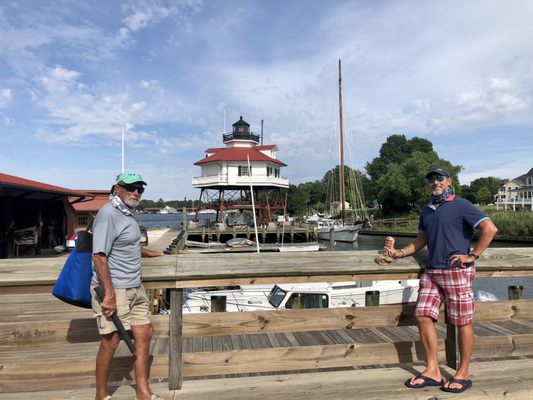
448	229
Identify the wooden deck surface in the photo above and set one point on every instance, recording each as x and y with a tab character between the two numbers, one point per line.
502	379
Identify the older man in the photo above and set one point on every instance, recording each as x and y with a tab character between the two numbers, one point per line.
117	256
446	226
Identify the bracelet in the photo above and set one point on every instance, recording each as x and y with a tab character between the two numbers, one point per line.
403	253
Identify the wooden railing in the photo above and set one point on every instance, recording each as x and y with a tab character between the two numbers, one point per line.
177	273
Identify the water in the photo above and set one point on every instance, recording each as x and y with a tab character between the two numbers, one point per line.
168	220
496	286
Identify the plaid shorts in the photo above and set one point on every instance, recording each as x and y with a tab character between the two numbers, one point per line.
453	286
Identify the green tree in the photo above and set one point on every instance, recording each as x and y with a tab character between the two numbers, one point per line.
398	175
484	196
395	151
297	200
490	184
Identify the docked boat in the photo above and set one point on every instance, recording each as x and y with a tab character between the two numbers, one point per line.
300	296
344	230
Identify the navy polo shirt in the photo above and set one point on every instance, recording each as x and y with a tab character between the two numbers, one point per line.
448	229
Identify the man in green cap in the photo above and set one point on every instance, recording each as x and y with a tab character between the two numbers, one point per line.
117	253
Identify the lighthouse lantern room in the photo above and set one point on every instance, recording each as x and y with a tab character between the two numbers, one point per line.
228	174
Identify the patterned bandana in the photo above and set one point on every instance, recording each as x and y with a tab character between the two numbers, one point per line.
438	200
119	205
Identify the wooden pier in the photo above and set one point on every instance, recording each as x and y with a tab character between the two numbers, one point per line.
338	353
270	234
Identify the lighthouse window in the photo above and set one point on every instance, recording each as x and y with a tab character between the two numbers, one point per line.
269	171
243	170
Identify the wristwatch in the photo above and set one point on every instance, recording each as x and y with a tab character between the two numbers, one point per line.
474	254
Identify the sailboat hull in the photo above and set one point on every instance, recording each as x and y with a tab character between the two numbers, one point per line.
343	233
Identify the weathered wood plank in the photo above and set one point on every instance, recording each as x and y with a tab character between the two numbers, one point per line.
196	270
42	328
506	379
302	358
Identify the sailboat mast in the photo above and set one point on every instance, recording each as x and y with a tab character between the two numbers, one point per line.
341	142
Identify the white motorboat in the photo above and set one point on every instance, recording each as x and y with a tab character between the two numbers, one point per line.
300	296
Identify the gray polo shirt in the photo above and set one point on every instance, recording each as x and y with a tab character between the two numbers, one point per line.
118	236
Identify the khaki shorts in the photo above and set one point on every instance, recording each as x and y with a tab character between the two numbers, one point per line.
132	309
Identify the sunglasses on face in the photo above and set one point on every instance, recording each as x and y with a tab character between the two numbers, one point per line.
132	188
438	178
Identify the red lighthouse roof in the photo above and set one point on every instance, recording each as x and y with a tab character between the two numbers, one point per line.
239	154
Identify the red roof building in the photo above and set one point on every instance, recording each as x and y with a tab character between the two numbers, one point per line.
34	215
228	173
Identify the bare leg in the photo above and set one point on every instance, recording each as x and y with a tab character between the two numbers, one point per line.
142	335
430	341
466	346
104	358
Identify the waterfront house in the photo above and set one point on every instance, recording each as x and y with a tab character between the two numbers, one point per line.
517	193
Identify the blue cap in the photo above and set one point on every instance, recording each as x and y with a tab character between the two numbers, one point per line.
130	177
438	171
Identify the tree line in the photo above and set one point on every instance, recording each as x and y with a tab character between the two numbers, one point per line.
394	183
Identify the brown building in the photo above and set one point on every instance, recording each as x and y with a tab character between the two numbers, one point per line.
82	213
34	215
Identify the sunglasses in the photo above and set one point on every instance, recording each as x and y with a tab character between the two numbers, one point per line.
132	188
438	178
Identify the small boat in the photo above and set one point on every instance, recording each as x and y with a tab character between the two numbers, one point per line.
301	295
481	295
239	242
299	248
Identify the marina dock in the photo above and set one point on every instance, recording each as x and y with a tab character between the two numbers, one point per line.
341	353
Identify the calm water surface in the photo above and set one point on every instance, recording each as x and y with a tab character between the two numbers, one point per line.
496	286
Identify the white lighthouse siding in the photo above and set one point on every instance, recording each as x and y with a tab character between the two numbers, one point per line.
227	174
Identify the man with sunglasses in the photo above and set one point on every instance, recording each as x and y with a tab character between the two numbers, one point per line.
117	253
446	226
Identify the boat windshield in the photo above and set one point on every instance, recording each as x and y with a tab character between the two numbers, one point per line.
307	300
276	296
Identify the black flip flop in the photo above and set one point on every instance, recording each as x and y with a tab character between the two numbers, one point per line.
426	381
467	383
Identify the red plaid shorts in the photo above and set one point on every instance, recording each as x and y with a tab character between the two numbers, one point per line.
453	286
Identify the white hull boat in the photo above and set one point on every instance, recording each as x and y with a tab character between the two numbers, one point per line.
300	296
343	233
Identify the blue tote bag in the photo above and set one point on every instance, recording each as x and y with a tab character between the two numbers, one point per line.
74	281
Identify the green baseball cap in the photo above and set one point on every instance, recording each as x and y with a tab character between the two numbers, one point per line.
130	177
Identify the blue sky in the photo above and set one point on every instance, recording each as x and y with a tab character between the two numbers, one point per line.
74	73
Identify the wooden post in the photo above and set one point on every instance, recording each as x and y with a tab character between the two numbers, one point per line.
175	349
184	218
450	343
331	239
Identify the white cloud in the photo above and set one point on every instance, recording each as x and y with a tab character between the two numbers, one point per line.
6	98
7	121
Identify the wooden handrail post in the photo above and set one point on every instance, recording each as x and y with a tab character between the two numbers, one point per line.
450	343
175	345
